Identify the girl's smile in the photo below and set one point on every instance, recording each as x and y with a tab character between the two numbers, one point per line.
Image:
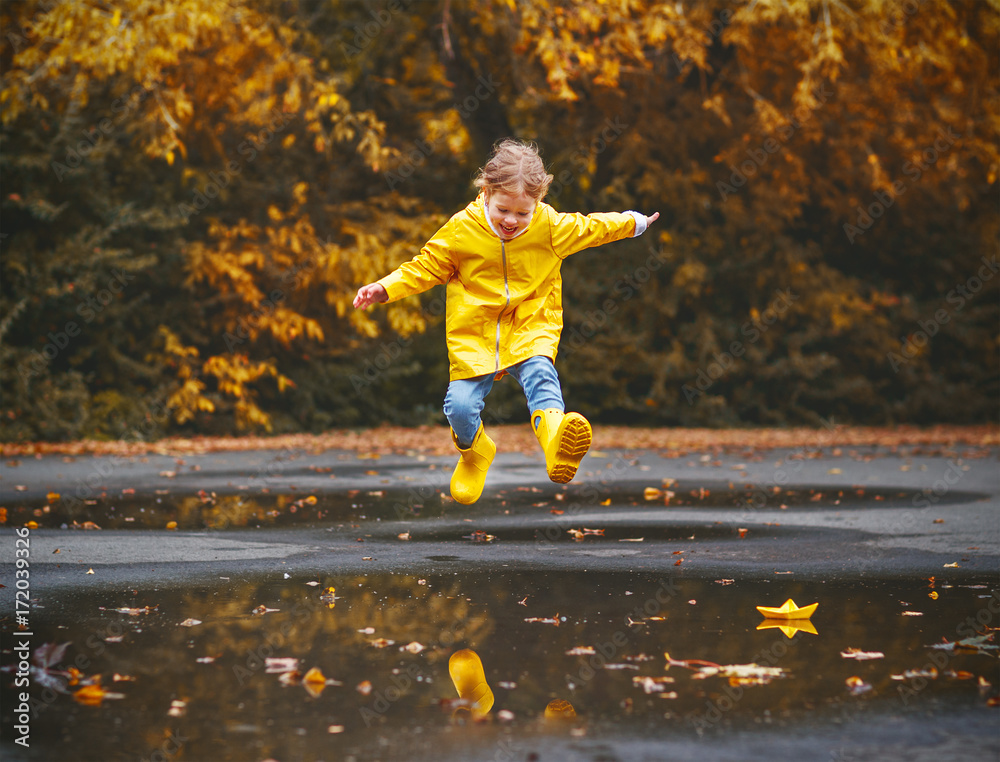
509	214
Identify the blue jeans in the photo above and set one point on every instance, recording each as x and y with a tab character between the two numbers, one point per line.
465	398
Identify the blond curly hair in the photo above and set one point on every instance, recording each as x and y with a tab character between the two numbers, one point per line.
514	168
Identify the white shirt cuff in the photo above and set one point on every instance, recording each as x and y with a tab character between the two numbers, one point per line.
640	222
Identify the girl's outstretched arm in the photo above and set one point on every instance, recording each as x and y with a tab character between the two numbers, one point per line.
370	294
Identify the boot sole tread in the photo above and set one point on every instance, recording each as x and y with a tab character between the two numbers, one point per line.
575	436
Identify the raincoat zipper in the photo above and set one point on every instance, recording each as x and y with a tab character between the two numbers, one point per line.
506	290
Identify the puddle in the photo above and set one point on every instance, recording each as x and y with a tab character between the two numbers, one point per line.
203	692
237	511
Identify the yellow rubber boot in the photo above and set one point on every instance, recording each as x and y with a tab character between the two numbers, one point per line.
470	473
565	439
466	670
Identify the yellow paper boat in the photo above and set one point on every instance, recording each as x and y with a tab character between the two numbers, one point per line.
788	626
788	610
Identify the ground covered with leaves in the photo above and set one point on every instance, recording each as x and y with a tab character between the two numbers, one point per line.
435	440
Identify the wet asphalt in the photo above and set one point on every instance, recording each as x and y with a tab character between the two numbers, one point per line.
938	514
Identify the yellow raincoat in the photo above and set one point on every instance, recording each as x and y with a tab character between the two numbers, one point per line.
504	297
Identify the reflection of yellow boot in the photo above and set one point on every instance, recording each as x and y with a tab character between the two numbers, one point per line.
470	474
565	438
467	674
560	709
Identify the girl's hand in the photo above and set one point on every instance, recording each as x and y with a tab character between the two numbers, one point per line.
654	218
370	294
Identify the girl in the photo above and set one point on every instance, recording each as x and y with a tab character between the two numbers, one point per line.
500	258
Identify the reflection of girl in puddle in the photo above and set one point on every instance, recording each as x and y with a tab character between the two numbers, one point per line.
469	677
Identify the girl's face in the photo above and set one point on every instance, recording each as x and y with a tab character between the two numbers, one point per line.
509	214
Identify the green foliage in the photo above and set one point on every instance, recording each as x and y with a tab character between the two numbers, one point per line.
195	191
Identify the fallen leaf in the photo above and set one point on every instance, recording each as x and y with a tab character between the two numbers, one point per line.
381	642
314	675
857	686
652	684
334	729
913	613
479	536
403	536
581	651
858	655
94	694
740	674
413	647
52	496
178	708
261	610
90	571
171	525
933	595
554	620
190	622
278	664
364	687
951	566
651	493
912	674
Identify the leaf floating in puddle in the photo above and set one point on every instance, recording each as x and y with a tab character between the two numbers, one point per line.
741	674
131	612
178	708
651	493
857	686
980	644
403	536
554	620
951	566
913	674
190	622
858	655
413	647
278	664
724	581
653	684
314	681
313	583
913	613
94	694
581	651
381	642
364	687
261	610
